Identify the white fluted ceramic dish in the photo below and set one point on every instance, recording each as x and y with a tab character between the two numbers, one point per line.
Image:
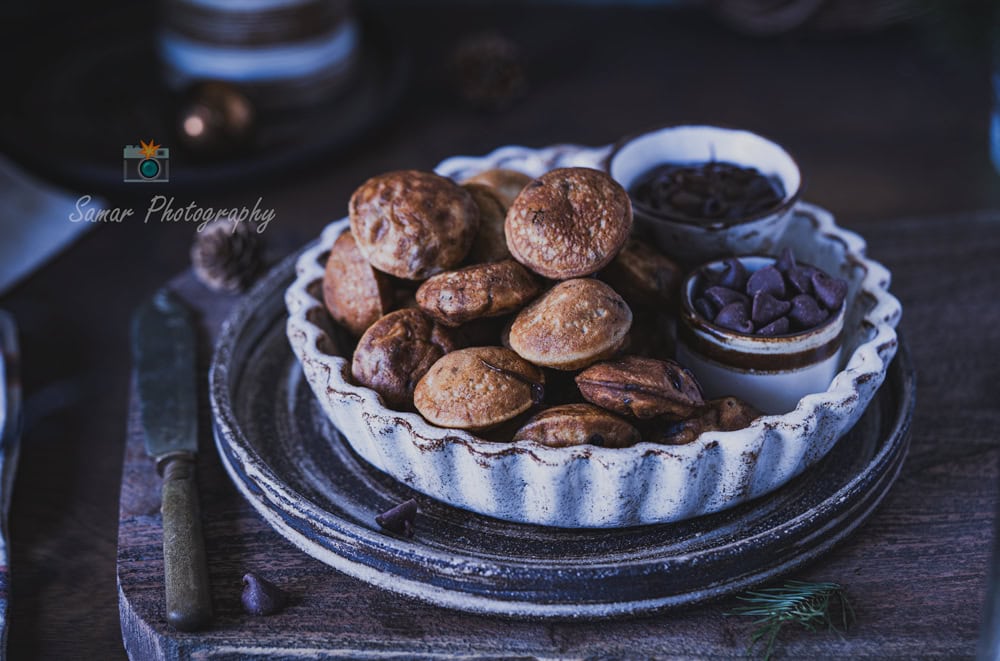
591	487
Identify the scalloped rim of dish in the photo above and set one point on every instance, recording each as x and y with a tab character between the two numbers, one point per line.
849	393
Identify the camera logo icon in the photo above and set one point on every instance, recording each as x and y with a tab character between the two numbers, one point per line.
148	162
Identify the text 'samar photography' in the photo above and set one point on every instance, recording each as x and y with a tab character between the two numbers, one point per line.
150	163
164	209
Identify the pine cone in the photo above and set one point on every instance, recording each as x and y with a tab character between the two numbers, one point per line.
488	71
227	255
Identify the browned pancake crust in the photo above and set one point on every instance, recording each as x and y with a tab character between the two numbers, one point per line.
643	276
725	414
641	387
483	290
574	324
354	293
569	223
578	424
490	244
396	351
507	184
478	388
413	224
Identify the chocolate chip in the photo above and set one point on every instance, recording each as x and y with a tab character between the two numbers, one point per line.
829	291
800	278
720	296
260	596
806	312
786	261
767	308
704	308
733	275
734	317
400	518
767	280
779	326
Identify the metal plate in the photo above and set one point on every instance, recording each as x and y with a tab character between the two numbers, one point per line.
293	467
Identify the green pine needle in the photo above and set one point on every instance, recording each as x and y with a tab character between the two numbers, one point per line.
810	605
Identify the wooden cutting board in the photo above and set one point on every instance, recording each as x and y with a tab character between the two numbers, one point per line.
331	615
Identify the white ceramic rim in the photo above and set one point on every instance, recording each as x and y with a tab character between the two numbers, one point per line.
703	142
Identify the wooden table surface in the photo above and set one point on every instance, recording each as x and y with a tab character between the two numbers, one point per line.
892	136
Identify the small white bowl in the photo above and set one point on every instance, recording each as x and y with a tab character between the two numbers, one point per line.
770	373
694	243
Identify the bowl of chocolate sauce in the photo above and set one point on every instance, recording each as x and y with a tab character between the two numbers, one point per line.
706	192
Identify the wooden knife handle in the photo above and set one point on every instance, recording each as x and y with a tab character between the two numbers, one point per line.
189	603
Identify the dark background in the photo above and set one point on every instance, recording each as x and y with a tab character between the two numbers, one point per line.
886	123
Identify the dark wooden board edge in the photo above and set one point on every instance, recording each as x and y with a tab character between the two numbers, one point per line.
376	623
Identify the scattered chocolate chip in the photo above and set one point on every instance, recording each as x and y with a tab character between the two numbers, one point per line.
734	317
800	277
829	291
705	308
721	296
767	280
779	326
261	596
806	312
785	261
400	518
733	275
767	308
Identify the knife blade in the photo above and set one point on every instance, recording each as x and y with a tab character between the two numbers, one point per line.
164	356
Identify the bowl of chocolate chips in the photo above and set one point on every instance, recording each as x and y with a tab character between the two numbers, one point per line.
706	192
768	330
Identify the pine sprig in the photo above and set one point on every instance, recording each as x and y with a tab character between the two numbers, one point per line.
810	605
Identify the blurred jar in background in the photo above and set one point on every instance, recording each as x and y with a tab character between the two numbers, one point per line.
995	86
283	54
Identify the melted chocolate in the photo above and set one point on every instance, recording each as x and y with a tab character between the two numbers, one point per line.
707	193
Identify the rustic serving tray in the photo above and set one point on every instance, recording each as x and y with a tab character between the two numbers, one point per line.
332	614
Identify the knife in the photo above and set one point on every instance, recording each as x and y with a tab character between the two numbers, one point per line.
163	349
